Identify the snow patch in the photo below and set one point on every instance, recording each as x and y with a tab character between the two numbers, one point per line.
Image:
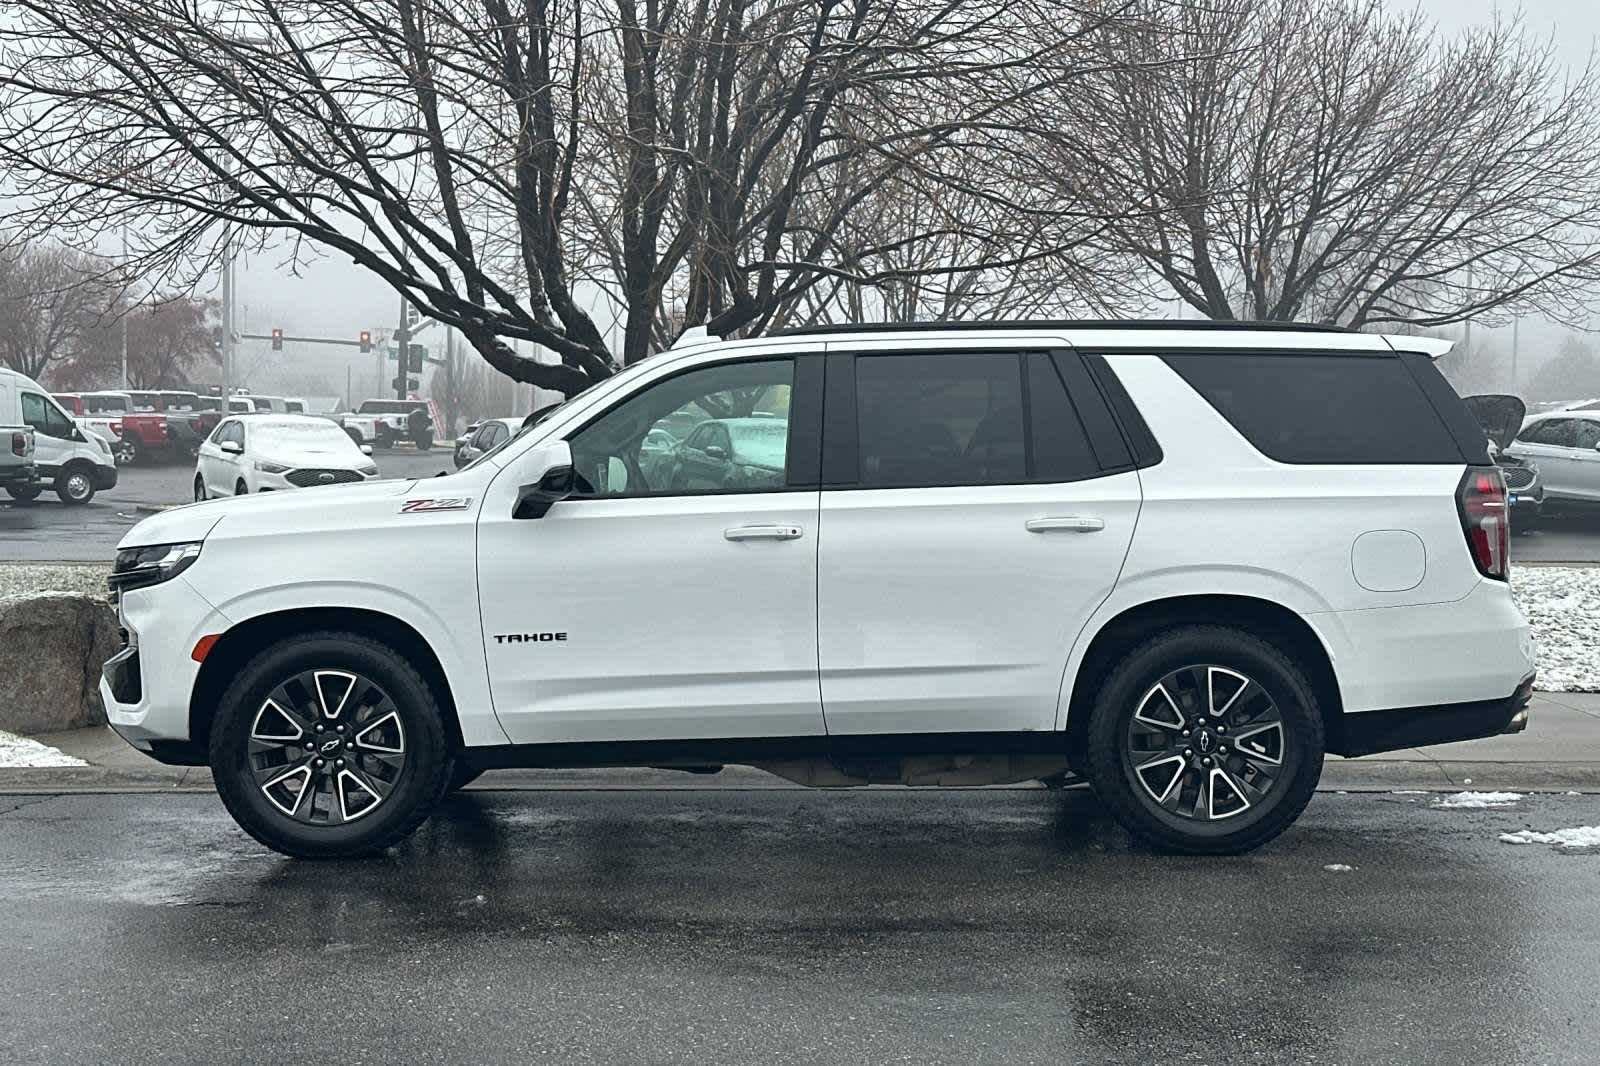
1478	800
1562	604
18	751
1338	868
1583	836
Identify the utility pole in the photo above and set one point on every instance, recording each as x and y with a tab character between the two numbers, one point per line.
450	404
227	312
1516	327
125	315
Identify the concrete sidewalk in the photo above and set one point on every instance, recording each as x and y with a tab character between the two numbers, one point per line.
1559	751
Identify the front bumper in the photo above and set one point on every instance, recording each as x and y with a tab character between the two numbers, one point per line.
104	477
1371	732
146	686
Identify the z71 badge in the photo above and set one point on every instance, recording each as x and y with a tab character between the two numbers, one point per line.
451	503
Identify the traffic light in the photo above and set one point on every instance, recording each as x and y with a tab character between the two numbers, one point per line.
366	341
406	383
415	354
277	340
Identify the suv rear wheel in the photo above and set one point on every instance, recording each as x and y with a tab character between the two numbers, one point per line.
329	746
1207	740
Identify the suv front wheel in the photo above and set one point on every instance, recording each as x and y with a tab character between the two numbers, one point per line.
1207	740
329	746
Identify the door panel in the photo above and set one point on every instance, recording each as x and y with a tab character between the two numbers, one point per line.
672	630
940	611
977	508
643	608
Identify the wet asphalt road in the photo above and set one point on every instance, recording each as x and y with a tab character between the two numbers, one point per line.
793	926
49	531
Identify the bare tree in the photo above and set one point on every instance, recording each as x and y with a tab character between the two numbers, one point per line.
1328	160
501	166
51	301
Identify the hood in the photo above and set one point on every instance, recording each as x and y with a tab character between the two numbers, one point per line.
194	521
1500	416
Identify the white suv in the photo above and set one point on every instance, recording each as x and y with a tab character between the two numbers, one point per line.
1182	562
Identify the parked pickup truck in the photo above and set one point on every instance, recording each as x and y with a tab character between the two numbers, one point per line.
382	422
17	470
145	434
190	420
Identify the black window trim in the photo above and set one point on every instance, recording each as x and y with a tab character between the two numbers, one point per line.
841	462
805	407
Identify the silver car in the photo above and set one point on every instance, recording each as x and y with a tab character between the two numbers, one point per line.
1566	446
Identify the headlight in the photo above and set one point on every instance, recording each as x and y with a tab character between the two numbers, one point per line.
139	567
104	447
370	470
270	468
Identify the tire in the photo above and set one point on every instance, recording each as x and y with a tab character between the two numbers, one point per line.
382	437
128	451
423	441
462	776
1131	725
200	493
23	493
74	486
240	488
326	813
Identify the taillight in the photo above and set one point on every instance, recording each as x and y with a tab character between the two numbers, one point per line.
19	444
1481	501
116	429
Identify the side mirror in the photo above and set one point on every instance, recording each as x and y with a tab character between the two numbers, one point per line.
366	449
556	482
232	447
716	451
535	501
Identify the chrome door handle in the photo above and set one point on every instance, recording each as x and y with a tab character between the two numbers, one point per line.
1066	524
763	533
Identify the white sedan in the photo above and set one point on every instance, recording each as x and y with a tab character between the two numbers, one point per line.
266	453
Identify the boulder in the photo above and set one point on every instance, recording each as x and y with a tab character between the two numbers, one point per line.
52	645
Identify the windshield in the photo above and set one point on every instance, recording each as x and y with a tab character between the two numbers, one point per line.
97	404
313	435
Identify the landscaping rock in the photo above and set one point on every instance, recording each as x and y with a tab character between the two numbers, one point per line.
52	645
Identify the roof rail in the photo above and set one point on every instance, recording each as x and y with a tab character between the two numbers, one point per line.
1220	325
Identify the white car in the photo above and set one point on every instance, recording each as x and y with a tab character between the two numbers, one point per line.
1182	561
267	453
1566	447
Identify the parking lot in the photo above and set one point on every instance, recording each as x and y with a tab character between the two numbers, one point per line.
48	531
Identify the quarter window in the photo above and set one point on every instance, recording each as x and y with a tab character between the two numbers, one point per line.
1315	407
641	447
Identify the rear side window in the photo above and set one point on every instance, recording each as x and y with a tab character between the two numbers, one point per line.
1322	408
944	419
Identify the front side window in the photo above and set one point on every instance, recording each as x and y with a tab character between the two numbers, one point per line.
45	417
1587	433
642	447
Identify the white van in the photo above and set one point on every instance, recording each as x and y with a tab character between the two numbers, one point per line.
76	460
